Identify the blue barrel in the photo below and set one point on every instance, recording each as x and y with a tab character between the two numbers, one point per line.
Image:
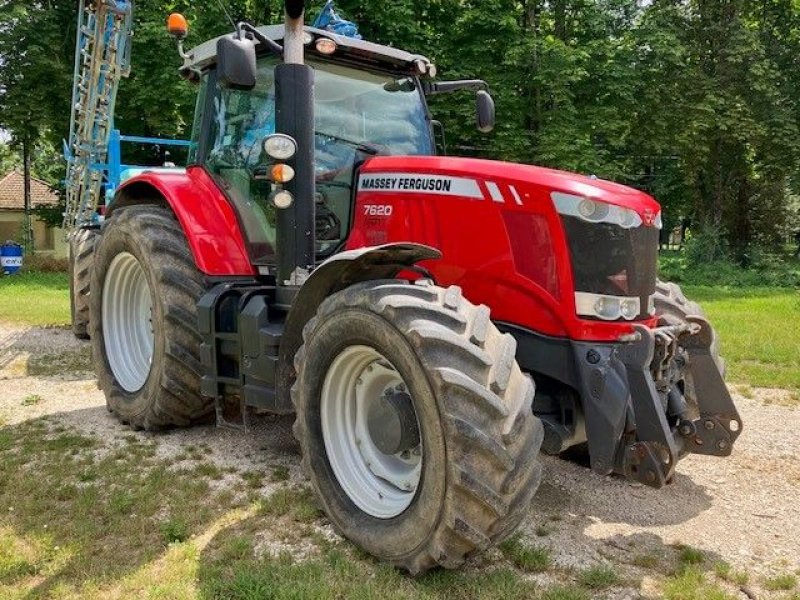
11	258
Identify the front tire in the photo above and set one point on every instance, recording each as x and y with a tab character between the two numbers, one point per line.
466	480
145	289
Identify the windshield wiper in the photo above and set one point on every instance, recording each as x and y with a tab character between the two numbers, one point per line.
363	147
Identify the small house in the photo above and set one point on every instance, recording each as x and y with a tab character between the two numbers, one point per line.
46	240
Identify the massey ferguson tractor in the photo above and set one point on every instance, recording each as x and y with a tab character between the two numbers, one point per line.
431	321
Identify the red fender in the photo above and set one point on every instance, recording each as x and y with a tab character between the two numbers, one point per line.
205	214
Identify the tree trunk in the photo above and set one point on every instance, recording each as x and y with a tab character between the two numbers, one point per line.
27	222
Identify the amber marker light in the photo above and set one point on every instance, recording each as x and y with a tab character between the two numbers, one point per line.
177	26
282	173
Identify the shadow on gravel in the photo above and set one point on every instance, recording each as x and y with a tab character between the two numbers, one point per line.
573	488
86	504
47	353
77	512
89	506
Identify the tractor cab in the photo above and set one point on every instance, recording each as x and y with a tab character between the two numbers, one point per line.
358	113
369	100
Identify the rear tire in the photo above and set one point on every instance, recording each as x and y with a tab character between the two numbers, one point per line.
81	258
145	289
673	308
479	440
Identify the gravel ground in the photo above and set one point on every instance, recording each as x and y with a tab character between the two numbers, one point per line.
742	510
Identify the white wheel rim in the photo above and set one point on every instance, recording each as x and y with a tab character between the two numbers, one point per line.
128	322
381	485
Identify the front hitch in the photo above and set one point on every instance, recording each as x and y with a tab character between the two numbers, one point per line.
638	422
719	423
661	438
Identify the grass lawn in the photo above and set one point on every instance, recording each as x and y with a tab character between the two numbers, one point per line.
759	332
35	298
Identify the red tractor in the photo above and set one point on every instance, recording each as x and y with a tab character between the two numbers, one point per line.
317	257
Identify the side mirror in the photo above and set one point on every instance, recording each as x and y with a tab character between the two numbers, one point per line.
236	63
485	111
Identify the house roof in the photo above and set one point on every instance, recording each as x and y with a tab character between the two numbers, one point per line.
12	192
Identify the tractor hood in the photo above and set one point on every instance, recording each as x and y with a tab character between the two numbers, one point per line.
504	182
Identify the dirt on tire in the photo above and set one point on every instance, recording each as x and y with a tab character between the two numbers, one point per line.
81	252
474	408
171	395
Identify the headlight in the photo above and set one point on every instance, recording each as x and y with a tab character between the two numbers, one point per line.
280	147
326	46
608	308
629	309
595	212
590	210
283	199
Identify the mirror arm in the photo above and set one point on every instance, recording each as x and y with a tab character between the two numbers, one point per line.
445	87
182	51
272	45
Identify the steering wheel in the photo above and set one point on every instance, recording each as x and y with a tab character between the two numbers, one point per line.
328	225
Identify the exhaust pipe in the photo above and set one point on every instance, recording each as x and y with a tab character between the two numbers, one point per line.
294	107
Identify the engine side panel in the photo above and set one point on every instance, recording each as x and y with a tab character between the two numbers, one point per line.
207	218
502	240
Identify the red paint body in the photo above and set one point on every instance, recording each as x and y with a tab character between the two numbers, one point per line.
527	282
206	216
503	243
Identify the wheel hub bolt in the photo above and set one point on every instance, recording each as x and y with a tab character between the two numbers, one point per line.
709	424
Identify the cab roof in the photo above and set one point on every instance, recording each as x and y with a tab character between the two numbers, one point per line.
204	56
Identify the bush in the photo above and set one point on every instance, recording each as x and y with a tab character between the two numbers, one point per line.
44	263
696	266
706	247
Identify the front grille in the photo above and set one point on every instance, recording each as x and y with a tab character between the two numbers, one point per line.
610	260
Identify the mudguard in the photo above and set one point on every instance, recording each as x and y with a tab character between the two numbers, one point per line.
337	273
205	214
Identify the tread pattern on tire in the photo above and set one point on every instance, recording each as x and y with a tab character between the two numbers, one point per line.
176	401
81	245
485	401
673	306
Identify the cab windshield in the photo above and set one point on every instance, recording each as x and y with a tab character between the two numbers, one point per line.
357	114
